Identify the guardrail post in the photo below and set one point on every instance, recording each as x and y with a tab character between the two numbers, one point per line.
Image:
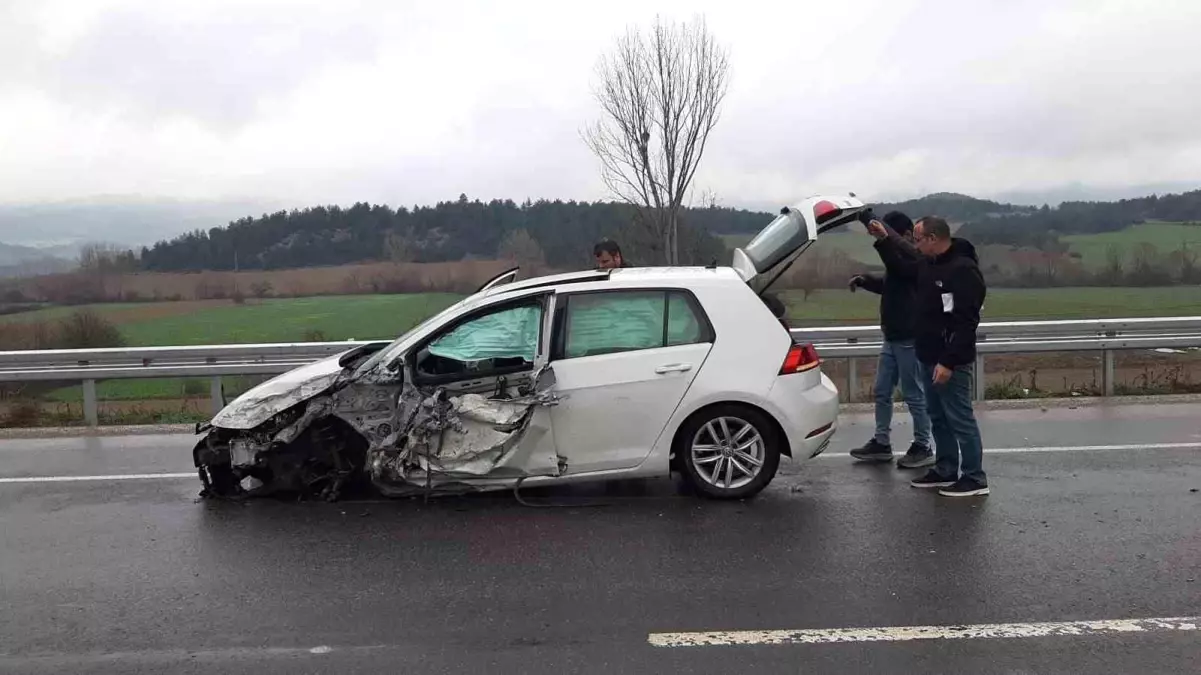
980	387
852	378
217	392
1107	373
91	414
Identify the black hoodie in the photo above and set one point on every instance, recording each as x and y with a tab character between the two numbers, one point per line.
950	292
897	309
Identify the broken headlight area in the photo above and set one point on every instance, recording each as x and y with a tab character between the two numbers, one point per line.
302	452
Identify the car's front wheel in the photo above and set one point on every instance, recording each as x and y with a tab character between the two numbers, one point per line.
729	452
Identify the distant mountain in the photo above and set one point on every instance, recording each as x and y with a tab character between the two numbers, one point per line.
956	208
196	235
128	221
1079	192
1043	227
22	261
563	234
12	254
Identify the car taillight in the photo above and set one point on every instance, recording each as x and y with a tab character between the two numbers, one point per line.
800	358
825	211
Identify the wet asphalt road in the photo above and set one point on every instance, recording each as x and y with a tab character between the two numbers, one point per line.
105	576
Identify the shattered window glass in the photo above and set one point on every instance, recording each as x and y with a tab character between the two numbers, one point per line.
508	334
605	323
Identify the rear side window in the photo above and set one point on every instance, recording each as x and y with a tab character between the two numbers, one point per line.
622	321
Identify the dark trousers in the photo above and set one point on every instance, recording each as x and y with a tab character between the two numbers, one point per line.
958	448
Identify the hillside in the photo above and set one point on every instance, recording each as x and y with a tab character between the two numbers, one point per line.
22	261
129	220
561	233
1043	227
556	232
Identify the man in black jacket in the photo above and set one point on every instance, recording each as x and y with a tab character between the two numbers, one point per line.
950	293
897	362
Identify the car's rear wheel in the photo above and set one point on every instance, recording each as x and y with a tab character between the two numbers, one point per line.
729	452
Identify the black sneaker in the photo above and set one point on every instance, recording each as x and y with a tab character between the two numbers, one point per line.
873	451
932	479
917	457
965	487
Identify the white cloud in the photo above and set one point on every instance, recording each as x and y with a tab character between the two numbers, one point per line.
418	101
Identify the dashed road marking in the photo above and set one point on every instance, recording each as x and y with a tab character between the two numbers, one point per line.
908	633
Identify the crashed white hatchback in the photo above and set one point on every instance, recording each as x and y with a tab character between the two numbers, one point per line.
586	376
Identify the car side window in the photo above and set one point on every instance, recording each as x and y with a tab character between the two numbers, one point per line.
621	321
499	341
684	326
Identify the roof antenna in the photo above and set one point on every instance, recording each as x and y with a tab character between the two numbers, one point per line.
712	265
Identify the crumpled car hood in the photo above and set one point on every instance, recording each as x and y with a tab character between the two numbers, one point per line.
278	394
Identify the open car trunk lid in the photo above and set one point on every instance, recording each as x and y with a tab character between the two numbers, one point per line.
769	255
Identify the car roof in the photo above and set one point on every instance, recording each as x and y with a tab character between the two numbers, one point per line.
626	277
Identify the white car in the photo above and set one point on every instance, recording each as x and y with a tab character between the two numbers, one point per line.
595	375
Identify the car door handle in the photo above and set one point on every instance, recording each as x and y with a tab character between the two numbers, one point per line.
674	368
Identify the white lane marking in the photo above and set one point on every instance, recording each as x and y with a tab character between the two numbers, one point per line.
906	633
73	479
987	451
1065	448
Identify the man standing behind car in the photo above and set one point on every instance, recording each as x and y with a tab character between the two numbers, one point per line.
898	359
950	292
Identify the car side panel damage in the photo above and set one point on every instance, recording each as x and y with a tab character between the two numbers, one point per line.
399	439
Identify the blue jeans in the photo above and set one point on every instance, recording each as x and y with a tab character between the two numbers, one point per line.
958	448
898	361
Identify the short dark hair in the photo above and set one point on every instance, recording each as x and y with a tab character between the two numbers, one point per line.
606	246
898	221
935	227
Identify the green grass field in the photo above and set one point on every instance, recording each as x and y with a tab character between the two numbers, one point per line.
833	307
1165	237
381	316
283	320
286	320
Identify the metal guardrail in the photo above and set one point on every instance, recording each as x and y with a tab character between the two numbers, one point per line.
1017	337
850	342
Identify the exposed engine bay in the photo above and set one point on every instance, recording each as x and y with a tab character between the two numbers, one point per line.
380	434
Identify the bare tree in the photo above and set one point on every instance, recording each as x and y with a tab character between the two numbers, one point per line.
660	97
1186	258
1113	272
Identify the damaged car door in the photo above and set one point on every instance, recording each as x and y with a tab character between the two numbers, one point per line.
475	401
623	360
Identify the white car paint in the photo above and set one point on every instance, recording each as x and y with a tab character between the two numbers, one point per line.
619	414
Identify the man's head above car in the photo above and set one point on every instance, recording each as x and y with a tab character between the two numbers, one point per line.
608	255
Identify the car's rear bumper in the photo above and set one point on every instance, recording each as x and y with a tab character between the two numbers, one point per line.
808	413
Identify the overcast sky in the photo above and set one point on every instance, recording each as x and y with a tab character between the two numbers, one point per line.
415	102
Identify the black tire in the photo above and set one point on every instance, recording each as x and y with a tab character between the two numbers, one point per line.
770	447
